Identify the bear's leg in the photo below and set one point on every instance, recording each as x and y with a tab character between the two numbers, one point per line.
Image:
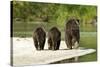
69	42
42	45
54	43
49	44
36	44
58	44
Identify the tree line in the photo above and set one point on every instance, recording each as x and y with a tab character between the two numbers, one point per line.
51	12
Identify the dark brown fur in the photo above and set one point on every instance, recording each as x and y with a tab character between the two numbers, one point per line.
39	37
72	33
54	38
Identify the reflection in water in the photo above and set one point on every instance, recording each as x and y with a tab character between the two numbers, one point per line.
88	28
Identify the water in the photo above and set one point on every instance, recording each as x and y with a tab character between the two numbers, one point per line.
22	28
88	28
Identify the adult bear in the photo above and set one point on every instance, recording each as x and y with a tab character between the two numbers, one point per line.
72	33
54	38
39	37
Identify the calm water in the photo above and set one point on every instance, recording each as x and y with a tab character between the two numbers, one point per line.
20	28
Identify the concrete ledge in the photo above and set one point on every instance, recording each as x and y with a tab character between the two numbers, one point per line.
24	53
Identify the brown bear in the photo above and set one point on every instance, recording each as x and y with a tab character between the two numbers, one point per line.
72	33
54	38
39	37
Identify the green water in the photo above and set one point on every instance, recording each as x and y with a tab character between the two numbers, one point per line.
88	35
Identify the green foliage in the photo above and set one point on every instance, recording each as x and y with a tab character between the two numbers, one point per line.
51	12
